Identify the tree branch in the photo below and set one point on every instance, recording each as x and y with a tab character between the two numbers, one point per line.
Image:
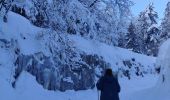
94	3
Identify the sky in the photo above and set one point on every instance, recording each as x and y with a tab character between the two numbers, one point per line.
140	5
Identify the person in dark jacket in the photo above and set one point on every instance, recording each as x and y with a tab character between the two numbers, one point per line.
109	86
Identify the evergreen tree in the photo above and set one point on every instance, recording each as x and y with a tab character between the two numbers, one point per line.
148	32
165	25
152	40
5	6
141	30
131	38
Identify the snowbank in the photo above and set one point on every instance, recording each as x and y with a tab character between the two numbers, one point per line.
20	29
161	90
111	54
28	89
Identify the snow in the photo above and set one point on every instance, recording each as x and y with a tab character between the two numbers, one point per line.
50	1
28	89
68	79
101	5
13	29
14	24
153	26
110	53
161	90
3	56
6	59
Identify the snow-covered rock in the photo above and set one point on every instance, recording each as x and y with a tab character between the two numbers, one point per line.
52	58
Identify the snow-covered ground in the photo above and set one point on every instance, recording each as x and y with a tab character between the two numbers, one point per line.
24	33
160	91
109	53
28	89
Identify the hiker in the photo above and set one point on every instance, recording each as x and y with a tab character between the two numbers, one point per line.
109	86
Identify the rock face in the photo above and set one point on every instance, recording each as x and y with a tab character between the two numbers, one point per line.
77	73
4	43
54	73
63	77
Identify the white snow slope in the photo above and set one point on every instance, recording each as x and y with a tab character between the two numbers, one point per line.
28	89
161	91
111	54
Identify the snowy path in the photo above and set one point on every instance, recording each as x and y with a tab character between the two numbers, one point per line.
135	85
28	89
